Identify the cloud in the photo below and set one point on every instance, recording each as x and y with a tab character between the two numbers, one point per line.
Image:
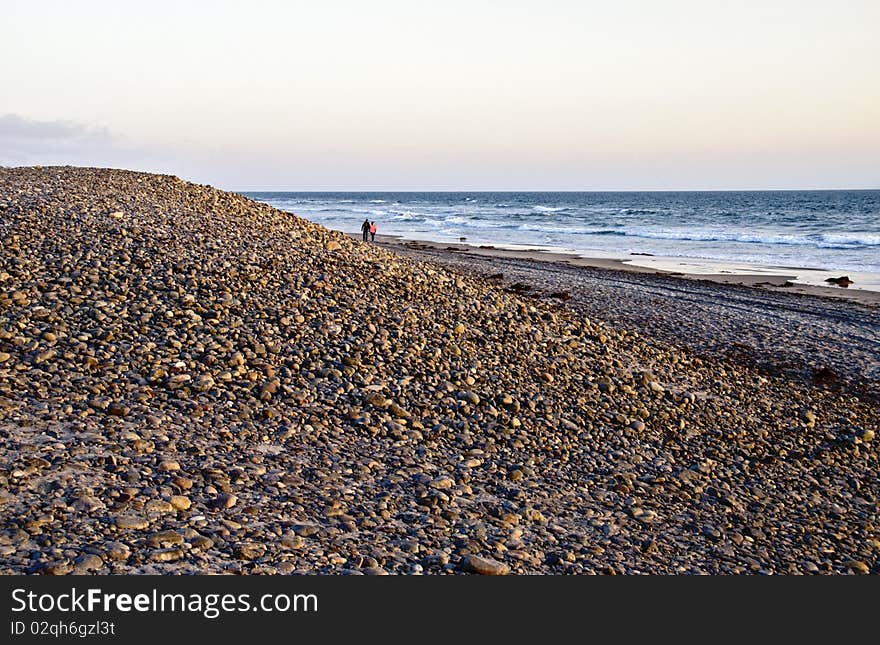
63	142
24	140
17	128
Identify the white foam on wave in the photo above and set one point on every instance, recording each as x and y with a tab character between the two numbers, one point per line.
562	230
822	240
406	216
549	209
457	220
852	239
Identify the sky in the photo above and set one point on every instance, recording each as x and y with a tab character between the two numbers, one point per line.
452	95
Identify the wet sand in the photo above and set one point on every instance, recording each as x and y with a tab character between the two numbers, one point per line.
773	281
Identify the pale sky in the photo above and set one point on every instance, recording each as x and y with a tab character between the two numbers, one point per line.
452	95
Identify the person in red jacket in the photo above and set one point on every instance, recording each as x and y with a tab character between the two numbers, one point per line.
373	231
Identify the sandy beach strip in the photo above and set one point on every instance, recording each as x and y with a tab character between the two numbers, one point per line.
827	335
773	278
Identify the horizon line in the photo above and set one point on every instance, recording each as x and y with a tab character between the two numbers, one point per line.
570	190
456	190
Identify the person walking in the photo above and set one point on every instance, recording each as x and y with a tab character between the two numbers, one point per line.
373	232
365	229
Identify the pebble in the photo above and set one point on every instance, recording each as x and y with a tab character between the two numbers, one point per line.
306	530
469	397
202	542
250	550
167	555
118	409
484	566
117	550
180	502
129	522
159	506
165	539
88	562
225	500
857	566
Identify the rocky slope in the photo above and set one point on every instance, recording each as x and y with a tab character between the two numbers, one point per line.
194	382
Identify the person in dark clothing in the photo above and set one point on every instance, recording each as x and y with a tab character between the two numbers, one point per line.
373	232
365	229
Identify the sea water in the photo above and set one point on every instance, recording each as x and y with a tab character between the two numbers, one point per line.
833	231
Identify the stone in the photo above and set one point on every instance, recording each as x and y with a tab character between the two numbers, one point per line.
225	500
167	555
88	562
436	560
131	522
644	515
306	530
203	383
118	409
180	502
469	397
165	539
484	566
88	504
842	281
202	542
117	550
443	482
100	403
250	551
178	381
46	356
378	401
398	411
856	566
292	541
159	506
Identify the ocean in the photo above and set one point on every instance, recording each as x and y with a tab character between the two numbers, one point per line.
836	231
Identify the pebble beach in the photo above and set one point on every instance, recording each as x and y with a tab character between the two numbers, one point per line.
195	382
